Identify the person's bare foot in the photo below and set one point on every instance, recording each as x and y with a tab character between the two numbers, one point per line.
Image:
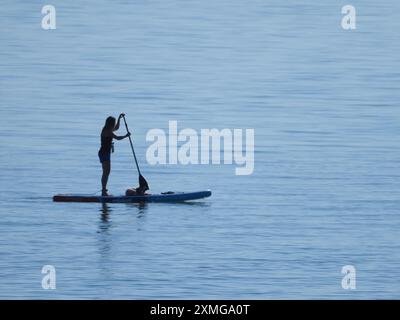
104	193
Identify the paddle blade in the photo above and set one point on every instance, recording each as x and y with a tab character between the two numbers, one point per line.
143	185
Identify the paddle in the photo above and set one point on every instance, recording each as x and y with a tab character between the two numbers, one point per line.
143	185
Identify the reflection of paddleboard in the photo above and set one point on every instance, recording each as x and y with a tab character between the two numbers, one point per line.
161	197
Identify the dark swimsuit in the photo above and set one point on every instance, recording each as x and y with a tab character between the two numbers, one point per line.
105	150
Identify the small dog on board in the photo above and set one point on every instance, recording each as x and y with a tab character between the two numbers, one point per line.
135	192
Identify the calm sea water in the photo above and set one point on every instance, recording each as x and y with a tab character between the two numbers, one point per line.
324	104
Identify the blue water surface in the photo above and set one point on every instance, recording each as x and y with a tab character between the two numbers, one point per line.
323	102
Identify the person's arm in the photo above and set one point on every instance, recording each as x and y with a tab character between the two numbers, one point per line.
121	137
119	119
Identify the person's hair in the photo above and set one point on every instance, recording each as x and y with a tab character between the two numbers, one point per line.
110	123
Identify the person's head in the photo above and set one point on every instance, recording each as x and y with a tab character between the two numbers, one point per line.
110	123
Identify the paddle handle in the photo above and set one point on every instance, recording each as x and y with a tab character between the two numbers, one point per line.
130	141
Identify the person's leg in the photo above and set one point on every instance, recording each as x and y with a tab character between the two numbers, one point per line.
106	172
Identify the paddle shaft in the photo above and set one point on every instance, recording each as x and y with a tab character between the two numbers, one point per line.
133	150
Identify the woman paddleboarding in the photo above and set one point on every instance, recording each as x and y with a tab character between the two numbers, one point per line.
107	146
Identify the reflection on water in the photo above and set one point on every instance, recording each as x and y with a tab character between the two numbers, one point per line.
324	190
105	223
142	206
105	244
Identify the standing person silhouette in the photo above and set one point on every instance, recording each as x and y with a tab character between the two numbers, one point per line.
107	146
